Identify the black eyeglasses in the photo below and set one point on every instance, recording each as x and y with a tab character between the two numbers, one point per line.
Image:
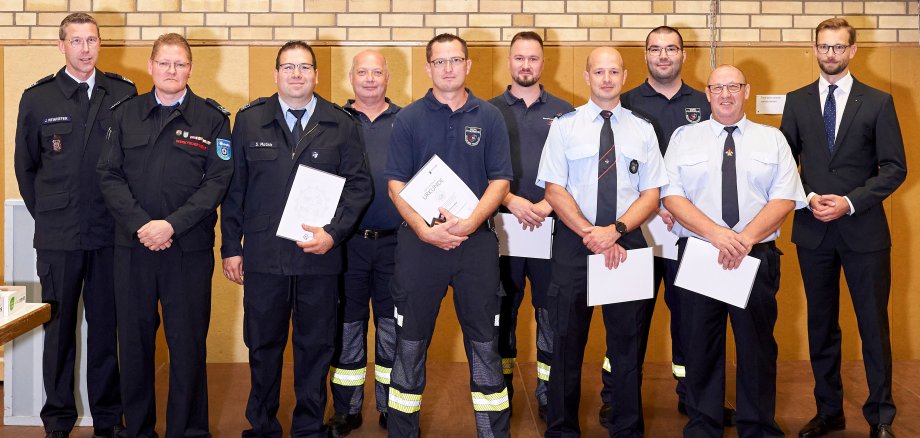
732	88
669	50
838	48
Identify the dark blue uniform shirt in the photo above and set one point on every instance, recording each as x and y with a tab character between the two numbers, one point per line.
686	107
382	214
527	130
473	141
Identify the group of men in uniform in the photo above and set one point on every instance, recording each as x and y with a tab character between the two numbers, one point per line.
124	190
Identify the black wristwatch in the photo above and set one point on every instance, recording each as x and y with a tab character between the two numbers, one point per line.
620	227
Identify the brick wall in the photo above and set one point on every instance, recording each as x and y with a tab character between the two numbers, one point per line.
414	21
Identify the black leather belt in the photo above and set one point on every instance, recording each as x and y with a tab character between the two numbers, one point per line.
375	234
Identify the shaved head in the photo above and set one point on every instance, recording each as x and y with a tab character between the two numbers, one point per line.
368	55
726	69
606	53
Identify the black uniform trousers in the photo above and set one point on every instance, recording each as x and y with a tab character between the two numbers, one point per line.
703	328
367	280
664	269
868	276
181	282
423	273
515	271
63	275
270	303
570	316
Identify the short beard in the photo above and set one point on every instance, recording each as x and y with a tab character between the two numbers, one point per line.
533	80
666	79
840	68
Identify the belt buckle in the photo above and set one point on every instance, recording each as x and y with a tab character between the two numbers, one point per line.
370	234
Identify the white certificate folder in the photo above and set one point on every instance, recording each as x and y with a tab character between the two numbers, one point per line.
632	280
701	272
436	185
515	241
313	200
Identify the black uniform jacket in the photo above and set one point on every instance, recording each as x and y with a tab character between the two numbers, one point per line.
264	171
179	172
867	165
55	160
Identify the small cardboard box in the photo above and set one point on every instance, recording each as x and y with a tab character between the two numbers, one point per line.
12	299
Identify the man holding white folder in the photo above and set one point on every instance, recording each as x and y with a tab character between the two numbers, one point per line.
732	182
529	111
601	169
287	281
468	134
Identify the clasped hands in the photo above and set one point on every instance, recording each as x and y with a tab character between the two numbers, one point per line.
528	214
449	233
826	208
156	235
732	246
603	240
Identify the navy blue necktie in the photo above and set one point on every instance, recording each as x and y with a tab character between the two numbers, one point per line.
830	117
729	180
83	99
298	128
606	175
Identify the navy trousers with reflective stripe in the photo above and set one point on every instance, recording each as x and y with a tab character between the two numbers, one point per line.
423	273
367	280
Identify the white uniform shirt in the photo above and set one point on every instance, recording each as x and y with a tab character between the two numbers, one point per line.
570	157
764	168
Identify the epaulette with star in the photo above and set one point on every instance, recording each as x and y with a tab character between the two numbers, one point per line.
121	101
41	81
218	106
256	102
119	77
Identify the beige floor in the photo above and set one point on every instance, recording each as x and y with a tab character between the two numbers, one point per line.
447	407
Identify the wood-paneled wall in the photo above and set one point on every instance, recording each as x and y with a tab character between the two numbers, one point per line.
236	75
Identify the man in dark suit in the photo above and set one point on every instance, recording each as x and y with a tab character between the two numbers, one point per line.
285	281
848	169
63	120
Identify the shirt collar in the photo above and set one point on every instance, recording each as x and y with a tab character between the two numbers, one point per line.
845	84
91	81
177	103
593	111
390	109
434	104
311	107
647	90
718	128
511	99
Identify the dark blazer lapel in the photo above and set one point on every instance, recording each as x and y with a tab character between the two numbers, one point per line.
853	102
815	112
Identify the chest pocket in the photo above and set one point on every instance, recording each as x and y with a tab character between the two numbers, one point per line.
52	135
761	171
134	141
582	164
693	170
624	165
261	153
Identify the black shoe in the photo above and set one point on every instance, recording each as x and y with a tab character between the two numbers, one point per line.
821	425
881	431
541	412
604	414
111	432
728	416
341	425
57	434
383	420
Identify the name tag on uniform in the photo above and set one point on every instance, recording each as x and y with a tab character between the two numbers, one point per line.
262	144
58	119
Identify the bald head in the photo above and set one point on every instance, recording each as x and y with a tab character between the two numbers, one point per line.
728	71
606	75
604	55
368	57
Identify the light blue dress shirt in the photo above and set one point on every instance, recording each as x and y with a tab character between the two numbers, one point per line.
290	119
570	157
764	168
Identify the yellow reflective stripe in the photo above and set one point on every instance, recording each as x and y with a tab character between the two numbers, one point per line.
508	365
607	365
382	374
403	402
348	377
490	402
543	371
678	370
